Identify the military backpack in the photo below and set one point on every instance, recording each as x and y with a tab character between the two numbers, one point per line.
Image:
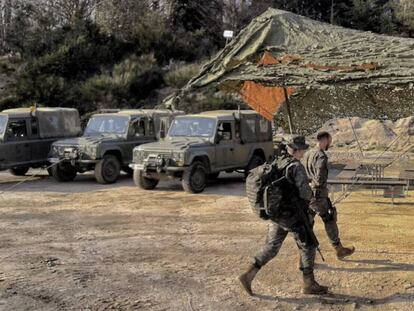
264	189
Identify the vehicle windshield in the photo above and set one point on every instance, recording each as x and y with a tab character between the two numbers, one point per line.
192	127
3	124
107	125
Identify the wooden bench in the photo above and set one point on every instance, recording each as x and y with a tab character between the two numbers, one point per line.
408	176
392	188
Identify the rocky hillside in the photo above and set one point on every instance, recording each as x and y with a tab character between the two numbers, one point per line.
372	134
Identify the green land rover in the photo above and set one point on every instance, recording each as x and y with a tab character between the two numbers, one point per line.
199	147
26	135
107	143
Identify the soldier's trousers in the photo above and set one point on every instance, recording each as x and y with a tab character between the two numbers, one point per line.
322	207
275	237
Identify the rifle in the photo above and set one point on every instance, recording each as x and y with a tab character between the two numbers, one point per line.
308	227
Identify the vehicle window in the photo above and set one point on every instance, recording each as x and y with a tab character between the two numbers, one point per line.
264	126
3	124
192	127
107	125
224	129
33	125
17	129
252	125
139	128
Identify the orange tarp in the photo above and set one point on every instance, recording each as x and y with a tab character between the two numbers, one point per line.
266	100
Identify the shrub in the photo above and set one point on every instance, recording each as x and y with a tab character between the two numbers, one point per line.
179	75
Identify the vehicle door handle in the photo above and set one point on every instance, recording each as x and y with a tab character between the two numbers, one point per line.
231	149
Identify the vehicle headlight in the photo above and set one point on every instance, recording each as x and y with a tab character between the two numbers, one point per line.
160	160
55	150
178	158
91	151
139	156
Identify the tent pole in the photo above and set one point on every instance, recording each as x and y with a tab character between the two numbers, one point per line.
288	110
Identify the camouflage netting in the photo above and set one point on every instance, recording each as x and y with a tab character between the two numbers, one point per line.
335	72
311	54
312	108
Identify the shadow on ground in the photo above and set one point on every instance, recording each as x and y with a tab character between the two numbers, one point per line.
339	299
226	185
380	265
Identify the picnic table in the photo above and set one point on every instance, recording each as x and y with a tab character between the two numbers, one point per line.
391	185
408	176
376	166
352	167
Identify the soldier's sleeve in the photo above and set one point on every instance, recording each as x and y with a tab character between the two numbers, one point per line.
321	170
301	181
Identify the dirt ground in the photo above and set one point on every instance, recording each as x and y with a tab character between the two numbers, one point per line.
84	246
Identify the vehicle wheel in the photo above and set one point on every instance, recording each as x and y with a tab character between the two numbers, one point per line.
254	162
63	173
107	170
144	182
195	178
213	176
18	171
129	171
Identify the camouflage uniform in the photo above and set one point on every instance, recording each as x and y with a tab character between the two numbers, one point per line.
290	222
316	165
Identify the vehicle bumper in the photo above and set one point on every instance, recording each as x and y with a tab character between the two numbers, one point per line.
72	161
158	169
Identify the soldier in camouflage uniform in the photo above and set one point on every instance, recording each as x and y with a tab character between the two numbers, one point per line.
289	222
316	165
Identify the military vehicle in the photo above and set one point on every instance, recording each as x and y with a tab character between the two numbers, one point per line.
26	135
201	146
107	143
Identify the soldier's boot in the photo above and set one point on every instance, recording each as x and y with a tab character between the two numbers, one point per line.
342	252
247	277
311	287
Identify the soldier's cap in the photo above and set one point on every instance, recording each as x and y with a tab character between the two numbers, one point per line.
298	143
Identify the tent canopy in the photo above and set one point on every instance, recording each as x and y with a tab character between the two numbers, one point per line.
279	49
301	52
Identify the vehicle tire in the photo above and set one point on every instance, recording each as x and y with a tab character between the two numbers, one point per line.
107	170
144	182
254	162
129	171
19	171
213	176
63	173
195	178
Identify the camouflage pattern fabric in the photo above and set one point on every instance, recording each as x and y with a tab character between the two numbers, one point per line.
316	165
278	231
321	207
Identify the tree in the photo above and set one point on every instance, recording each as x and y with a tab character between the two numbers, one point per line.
69	11
404	12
